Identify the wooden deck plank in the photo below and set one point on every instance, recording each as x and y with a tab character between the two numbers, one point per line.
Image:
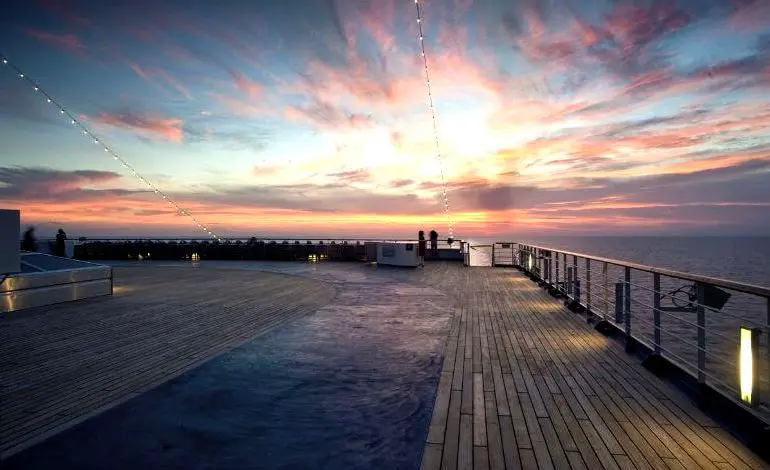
465	449
560	395
452	438
479	412
510	448
494	444
66	361
431	457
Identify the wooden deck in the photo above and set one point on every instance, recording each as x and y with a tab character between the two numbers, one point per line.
525	383
64	363
528	384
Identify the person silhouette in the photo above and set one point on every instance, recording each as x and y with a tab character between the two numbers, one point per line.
434	244
61	249
421	246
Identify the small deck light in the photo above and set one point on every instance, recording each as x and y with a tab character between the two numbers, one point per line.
749	343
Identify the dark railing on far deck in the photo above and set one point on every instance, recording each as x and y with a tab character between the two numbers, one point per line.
273	249
691	321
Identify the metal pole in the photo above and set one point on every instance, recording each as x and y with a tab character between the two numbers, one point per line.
557	270
656	309
627	303
541	260
566	285
575	291
493	254
701	312
588	284
604	293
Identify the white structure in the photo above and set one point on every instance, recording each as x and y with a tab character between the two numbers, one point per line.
35	279
10	225
398	254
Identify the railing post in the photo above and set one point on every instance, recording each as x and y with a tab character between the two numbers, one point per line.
588	285
570	273
540	270
627	304
556	284
493	254
656	310
566	286
701	312
575	281
604	291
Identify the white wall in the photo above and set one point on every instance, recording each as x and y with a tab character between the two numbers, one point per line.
396	254
10	225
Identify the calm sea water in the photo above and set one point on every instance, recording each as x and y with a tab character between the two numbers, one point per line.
744	259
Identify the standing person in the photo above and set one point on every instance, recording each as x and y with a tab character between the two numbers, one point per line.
29	242
61	248
421	245
434	244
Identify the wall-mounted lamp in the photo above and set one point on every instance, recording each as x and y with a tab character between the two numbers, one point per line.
748	356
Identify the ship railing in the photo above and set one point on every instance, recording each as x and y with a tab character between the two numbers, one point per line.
713	330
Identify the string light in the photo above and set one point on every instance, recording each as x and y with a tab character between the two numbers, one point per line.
87	132
433	115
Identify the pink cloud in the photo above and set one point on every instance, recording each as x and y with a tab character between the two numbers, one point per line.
67	41
169	129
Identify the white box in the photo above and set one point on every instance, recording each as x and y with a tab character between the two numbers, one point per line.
10	224
398	254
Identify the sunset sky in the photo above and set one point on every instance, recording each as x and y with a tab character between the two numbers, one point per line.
310	117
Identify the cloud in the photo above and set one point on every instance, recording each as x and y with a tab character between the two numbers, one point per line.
353	176
146	125
249	87
70	41
45	184
150	75
553	114
327	116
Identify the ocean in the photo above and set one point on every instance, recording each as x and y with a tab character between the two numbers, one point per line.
743	259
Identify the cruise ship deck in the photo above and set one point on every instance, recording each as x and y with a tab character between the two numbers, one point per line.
334	365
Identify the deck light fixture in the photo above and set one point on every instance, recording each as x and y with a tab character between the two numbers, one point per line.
749	343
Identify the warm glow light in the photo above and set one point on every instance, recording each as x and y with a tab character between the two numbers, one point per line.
746	365
195	257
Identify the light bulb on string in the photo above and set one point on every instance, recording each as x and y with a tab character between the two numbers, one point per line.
432	108
89	134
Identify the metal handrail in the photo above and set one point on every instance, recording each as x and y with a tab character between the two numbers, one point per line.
594	291
727	284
